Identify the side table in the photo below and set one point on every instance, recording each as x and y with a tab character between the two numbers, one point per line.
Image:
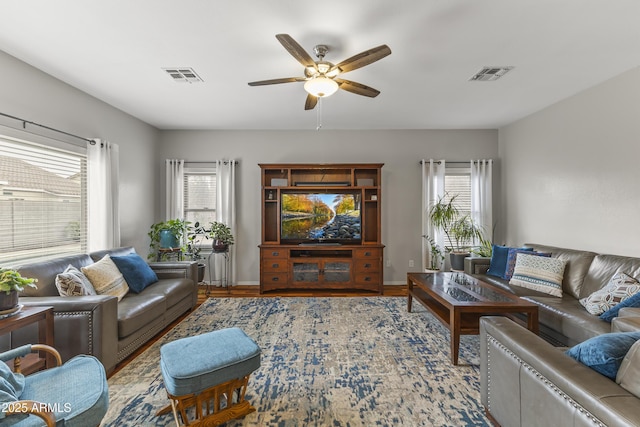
43	316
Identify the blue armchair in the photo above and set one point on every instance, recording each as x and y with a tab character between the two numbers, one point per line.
70	394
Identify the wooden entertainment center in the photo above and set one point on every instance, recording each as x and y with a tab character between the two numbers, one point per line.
316	265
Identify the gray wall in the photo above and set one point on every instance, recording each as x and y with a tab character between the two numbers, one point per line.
400	151
570	171
30	94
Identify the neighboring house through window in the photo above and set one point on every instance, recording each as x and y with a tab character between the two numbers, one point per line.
43	196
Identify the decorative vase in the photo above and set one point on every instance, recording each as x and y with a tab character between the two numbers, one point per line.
8	300
219	246
168	239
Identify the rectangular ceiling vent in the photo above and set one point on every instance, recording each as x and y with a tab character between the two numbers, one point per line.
489	74
183	75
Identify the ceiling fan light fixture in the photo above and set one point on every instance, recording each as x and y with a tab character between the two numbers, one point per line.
321	87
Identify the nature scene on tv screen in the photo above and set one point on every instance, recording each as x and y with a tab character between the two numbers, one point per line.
320	217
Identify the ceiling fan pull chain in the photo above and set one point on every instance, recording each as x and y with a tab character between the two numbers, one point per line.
319	115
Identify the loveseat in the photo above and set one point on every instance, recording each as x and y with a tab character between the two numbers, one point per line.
563	320
100	325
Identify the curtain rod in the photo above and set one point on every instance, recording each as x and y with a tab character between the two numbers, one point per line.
226	162
452	161
24	126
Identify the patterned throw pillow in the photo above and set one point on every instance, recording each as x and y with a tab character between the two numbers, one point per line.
106	278
511	259
72	282
539	273
620	287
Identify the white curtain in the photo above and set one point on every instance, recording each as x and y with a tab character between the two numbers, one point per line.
482	195
103	195
174	206
433	172
226	208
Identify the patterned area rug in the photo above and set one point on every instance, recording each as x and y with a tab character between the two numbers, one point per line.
325	362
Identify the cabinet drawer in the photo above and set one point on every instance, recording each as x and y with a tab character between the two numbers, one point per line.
274	279
367	278
275	253
275	265
368	253
367	265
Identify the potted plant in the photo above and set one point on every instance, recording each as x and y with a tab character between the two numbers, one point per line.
194	234
485	249
221	235
11	282
435	257
166	235
460	230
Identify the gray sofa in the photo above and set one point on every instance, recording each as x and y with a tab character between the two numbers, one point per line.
527	381
564	320
100	325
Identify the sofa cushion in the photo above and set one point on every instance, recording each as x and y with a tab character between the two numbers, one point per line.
98	255
106	278
135	270
46	272
539	273
632	301
174	290
71	282
11	385
620	287
576	269
137	311
628	375
605	352
604	267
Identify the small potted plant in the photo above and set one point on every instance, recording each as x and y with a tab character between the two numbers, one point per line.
460	230
166	235
11	282
221	235
435	257
194	234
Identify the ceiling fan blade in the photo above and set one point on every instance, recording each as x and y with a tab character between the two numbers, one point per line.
277	81
357	88
296	50
311	102
363	58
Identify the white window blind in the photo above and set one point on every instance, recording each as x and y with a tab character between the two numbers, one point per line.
200	195
42	200
457	182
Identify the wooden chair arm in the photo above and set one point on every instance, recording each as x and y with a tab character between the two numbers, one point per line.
38	347
31	407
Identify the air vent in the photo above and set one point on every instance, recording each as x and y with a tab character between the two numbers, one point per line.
183	75
489	74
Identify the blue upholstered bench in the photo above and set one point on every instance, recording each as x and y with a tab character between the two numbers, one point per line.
206	376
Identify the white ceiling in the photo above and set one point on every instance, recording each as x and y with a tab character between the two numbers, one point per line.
115	50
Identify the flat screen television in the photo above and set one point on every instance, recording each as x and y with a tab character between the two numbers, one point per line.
320	217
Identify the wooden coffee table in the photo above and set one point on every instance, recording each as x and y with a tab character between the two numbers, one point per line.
459	300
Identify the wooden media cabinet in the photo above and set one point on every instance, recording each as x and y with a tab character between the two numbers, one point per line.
314	264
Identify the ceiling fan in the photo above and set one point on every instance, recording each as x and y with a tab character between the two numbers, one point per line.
321	77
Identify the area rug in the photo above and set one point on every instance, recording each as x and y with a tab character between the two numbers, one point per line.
325	362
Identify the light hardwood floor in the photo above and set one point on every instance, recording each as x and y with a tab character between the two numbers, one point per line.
240	291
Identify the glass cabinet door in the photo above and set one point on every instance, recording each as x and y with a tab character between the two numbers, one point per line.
306	272
337	271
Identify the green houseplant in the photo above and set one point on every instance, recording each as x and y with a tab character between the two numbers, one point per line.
166	234
221	235
436	257
11	282
460	230
193	248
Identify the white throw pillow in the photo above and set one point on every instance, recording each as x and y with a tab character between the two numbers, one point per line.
106	278
72	282
620	287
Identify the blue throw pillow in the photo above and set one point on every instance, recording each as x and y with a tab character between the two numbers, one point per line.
605	352
136	271
498	260
632	301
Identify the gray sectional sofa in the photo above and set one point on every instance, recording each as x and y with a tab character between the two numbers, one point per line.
527	381
100	325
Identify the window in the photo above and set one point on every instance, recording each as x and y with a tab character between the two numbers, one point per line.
457	181
42	199
199	195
